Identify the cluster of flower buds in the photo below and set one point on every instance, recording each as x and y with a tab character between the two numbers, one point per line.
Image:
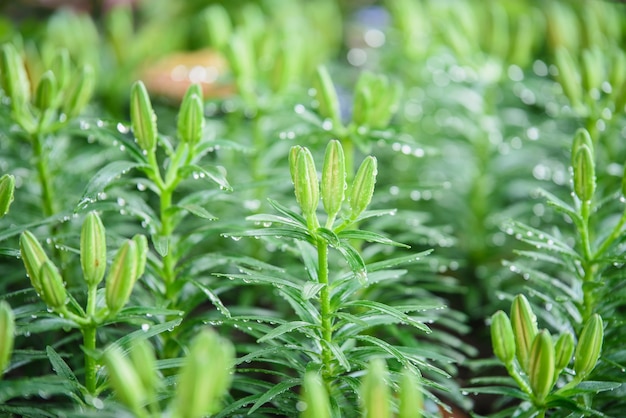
61	92
375	394
127	266
594	73
204	378
520	345
333	185
374	103
7	187
7	335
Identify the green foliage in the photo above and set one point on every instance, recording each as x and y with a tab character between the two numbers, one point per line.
448	160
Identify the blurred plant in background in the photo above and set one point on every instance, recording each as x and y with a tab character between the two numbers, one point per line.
493	133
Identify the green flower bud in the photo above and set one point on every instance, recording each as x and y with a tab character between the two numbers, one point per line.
563	350
589	347
363	104
523	40
293	158
541	366
502	338
218	25
33	257
584	174
524	323
375	394
144	363
14	78
81	92
46	94
142	253
93	249
240	55
333	178
61	69
498	33
362	188
287	64
387	105
205	376
411	397
7	187
142	117
326	96
314	403
121	277
191	117
124	379
306	184
7	335
53	291
617	75
581	137
568	76
592	69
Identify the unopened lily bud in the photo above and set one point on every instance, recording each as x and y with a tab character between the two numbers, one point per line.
33	257
541	366
61	69
333	178
7	335
524	323
191	117
563	351
93	249
46	93
592	69
144	363
617	75
523	40
293	159
589	346
218	25
306	183
411	397
13	75
568	76
581	137
326	95
121	277
240	55
205	376
362	106
142	253
124	379
375	394
142	117
387	106
502	338
314	403
81	92
7	187
362	188
53	291
584	174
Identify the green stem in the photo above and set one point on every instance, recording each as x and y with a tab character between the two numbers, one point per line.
519	380
43	173
588	260
89	341
327	331
167	227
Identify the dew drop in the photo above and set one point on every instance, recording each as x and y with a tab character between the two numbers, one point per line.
145	327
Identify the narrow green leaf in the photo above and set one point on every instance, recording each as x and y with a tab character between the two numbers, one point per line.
105	176
284	328
62	370
199	211
311	289
369	237
391	311
273	392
